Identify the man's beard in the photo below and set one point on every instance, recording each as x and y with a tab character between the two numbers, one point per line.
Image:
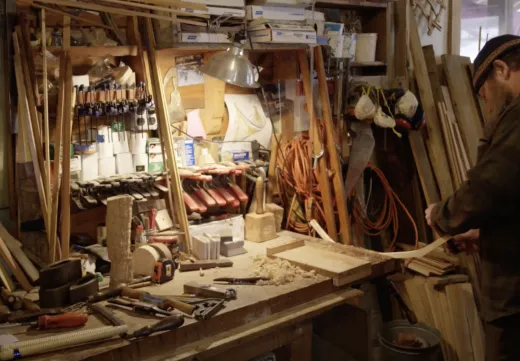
502	98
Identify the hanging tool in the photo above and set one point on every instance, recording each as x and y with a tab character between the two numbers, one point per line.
167	324
139	307
241	281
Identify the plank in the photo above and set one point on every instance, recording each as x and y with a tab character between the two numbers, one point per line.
475	325
337	177
330	264
6	279
156	8
11	264
323	178
460	332
16	249
454	23
447	280
283	245
164	121
401	23
119	11
435	142
464	105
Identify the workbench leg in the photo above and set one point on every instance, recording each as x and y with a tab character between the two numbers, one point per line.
301	349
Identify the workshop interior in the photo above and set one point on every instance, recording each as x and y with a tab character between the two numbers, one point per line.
238	179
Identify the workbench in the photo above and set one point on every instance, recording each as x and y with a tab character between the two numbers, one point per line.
261	319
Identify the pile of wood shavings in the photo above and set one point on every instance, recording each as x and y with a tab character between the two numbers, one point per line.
279	271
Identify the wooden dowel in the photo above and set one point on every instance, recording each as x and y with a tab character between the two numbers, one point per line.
156	8
317	147
337	178
112	10
164	122
46	119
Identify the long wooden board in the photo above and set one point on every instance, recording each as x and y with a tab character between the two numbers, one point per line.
341	268
464	105
435	142
16	249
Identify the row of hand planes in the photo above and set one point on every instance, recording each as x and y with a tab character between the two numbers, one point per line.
140	186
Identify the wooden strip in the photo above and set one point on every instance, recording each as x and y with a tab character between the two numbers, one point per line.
421	252
337	177
24	41
6	279
46	118
70	96
273	188
450	145
120	11
323	178
32	113
73	17
475	325
464	104
435	142
29	134
282	245
9	261
156	8
178	4
58	131
424	169
16	249
166	133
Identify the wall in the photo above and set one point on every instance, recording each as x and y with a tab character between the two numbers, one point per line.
439	39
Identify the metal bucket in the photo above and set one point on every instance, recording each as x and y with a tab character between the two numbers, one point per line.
429	338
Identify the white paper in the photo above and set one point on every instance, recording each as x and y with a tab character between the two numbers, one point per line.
188	70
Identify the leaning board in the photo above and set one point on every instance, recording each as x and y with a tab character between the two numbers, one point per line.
341	268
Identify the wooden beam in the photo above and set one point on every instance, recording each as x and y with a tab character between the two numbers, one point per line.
424	168
164	121
178	4
337	177
73	17
464	104
15	247
155	8
454	22
435	142
401	16
113	10
46	119
317	147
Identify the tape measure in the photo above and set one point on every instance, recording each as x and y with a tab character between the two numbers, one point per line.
163	270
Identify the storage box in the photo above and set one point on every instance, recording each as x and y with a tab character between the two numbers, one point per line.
291	3
186	37
155	163
275	13
269	32
318	15
232	3
218	11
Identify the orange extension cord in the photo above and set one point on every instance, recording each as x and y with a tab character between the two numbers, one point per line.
388	216
295	181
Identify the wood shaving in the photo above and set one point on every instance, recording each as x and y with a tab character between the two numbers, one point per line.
280	271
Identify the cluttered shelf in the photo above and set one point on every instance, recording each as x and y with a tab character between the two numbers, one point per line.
352	4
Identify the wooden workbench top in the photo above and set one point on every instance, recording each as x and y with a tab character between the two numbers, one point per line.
253	304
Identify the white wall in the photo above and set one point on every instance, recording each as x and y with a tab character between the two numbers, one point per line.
439	39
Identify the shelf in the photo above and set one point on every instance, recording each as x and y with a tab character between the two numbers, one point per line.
371	64
351	4
98	51
197	48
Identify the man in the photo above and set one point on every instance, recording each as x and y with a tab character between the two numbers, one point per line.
485	210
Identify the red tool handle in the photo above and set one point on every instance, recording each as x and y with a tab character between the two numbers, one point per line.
217	197
242	197
66	320
200	205
230	199
190	203
205	198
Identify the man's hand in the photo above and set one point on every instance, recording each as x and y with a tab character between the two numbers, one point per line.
428	214
467	241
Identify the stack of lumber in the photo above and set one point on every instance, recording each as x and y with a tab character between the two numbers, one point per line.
448	304
448	146
435	263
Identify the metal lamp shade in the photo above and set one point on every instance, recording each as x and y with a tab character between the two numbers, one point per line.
232	67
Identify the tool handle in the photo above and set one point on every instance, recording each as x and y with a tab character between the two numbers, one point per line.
190	203
169	323
242	197
106	314
259	195
269	192
202	208
226	195
106	294
178	305
205	198
217	197
29	305
66	320
132	293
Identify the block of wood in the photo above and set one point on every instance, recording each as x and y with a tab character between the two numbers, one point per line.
341	268
282	245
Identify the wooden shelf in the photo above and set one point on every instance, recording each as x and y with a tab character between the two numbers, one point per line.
179	49
98	51
371	64
351	4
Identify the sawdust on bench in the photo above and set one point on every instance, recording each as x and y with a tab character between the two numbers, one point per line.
280	271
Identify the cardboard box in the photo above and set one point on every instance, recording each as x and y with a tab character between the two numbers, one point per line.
155	163
232	3
318	15
290	3
275	13
288	33
218	11
185	37
333	28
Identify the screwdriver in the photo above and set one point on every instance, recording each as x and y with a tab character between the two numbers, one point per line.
168	323
67	320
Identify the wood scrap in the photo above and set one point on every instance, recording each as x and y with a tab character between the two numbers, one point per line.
16	249
11	264
282	245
